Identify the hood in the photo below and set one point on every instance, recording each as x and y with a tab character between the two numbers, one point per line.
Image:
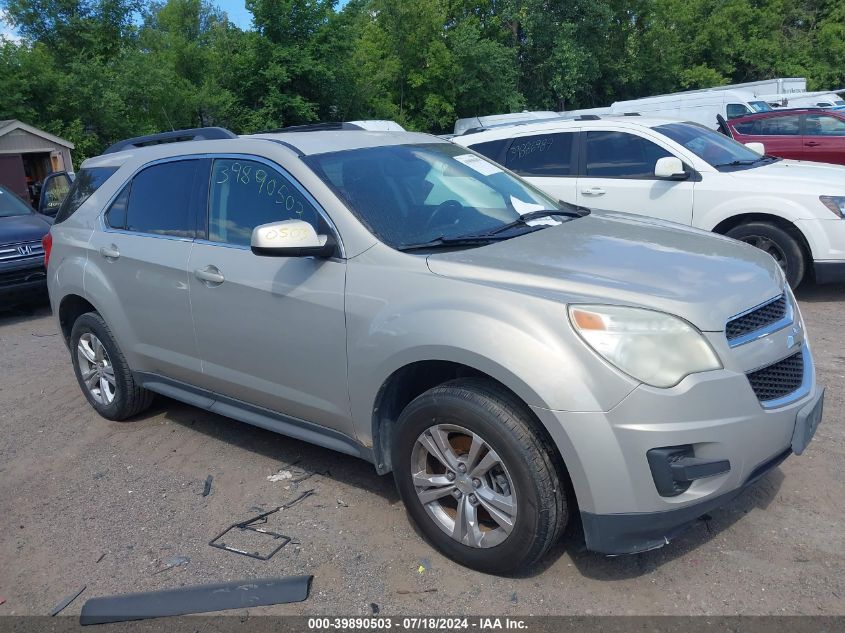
816	178
23	228
626	260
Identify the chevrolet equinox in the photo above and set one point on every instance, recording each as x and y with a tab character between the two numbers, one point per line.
510	358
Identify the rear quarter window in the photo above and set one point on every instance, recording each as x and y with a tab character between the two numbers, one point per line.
88	180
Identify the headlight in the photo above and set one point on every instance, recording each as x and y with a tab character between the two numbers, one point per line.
655	348
835	204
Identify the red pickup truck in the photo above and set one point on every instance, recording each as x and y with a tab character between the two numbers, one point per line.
802	134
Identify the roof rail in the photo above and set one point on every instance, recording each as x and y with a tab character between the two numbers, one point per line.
588	117
631	114
176	136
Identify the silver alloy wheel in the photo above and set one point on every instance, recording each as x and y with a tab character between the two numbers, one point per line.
463	485
96	368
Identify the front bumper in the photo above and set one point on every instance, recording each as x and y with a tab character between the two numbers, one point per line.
20	279
829	272
716	413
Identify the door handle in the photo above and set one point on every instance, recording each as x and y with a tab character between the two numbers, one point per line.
210	275
812	144
593	191
110	252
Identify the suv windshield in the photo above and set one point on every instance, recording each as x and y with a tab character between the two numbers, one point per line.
11	205
717	149
411	195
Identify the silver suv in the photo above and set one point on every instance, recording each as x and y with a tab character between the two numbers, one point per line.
510	358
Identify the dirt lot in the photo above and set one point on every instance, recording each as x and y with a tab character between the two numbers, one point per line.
109	505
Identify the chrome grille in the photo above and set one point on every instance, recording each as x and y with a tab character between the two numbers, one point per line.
25	250
765	315
779	379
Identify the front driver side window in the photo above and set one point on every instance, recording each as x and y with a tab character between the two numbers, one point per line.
621	155
245	194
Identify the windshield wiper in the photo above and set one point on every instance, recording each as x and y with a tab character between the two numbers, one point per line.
525	218
446	242
737	163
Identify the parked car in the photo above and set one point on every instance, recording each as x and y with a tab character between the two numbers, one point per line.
22	273
801	134
685	173
396	297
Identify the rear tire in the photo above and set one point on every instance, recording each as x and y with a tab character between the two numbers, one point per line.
497	520
102	371
779	243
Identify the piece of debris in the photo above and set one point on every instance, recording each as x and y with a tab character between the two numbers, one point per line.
250	526
102	556
375	608
207	488
173	561
198	599
2	600
406	592
342	504
282	475
66	601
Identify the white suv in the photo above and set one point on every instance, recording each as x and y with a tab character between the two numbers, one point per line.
685	173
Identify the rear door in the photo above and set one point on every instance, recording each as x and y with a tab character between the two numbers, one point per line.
617	174
548	161
271	330
142	256
824	138
779	133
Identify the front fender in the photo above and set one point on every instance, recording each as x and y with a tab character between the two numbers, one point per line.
524	342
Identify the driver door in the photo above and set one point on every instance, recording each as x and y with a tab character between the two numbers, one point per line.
271	331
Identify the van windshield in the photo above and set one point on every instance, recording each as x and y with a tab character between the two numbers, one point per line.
721	152
760	106
435	194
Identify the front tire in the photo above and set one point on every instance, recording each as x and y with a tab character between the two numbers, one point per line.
777	242
102	371
477	478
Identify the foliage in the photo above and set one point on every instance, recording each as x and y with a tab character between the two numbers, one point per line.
96	71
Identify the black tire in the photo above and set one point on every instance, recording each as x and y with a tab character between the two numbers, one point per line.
507	427
129	399
779	243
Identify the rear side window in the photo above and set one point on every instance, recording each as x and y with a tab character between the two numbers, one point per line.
789	125
87	181
621	155
160	200
116	215
541	155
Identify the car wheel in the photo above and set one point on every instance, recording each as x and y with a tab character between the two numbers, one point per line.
777	242
102	371
477	478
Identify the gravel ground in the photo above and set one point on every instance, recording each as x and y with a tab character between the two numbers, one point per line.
85	501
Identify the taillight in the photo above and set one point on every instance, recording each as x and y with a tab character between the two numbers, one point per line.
47	244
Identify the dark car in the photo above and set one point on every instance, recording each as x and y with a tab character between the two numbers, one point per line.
801	134
22	273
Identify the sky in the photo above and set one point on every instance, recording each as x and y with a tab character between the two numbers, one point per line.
237	12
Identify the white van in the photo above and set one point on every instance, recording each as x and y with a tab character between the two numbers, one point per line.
806	100
700	106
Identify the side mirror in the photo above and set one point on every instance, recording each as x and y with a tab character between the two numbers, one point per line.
757	147
291	238
53	192
670	168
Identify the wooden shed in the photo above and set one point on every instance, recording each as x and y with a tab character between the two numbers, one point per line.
27	155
